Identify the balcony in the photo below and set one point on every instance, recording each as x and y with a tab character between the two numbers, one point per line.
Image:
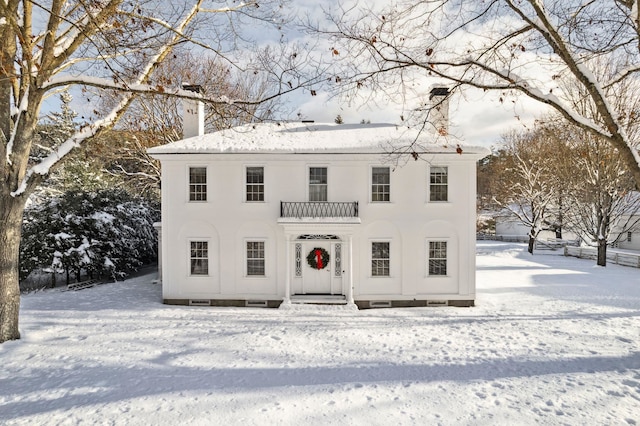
318	209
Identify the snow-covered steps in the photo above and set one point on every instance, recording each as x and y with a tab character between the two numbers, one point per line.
319	299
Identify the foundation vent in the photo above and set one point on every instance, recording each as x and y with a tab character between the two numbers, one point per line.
380	304
256	304
436	303
199	302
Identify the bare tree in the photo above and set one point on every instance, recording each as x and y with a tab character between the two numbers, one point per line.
109	45
601	192
525	186
514	47
603	198
154	119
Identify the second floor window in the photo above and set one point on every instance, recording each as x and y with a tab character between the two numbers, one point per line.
380	184
438	184
317	184
197	184
255	183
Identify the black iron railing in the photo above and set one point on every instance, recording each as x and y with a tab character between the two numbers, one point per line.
318	209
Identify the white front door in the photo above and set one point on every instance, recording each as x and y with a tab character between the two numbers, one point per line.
316	278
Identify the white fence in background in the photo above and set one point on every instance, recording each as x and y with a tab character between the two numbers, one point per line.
621	258
505	238
554	244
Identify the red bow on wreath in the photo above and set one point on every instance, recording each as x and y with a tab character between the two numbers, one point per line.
319	258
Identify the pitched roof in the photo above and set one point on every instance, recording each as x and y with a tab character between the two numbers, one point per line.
316	138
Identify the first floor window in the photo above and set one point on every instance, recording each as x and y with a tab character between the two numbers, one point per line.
438	184
197	184
255	258
629	234
199	258
437	258
380	184
380	259
255	183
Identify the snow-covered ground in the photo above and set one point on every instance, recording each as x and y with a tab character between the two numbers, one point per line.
552	340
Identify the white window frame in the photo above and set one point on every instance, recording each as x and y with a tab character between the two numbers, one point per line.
372	184
191	258
205	184
430	185
247	258
446	258
309	183
372	259
247	184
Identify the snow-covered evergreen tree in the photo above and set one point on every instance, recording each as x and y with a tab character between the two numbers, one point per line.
107	233
81	170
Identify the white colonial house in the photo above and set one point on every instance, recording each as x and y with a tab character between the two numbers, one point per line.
269	213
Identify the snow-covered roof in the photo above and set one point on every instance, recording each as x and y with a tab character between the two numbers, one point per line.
316	138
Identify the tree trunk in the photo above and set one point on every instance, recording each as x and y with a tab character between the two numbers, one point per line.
532	241
602	252
10	230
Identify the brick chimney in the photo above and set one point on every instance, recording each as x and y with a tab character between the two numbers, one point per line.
439	113
192	113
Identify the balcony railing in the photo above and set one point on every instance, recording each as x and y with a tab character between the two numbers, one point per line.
318	209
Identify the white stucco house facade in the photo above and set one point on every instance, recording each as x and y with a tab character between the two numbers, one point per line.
269	213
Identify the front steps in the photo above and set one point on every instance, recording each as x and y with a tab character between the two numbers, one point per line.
319	299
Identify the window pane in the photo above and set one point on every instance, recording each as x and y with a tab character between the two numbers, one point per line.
437	258
197	184
317	184
380	184
317	193
199	267
380	175
199	258
380	268
255	258
255	184
380	250
255	267
438	183
318	175
380	259
255	175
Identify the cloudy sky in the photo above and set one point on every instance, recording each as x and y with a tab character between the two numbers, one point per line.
477	117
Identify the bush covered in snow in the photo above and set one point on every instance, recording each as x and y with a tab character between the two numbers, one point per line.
107	233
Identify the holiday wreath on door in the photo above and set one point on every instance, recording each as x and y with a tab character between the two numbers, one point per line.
318	258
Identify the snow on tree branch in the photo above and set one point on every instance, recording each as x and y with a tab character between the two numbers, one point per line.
22	108
526	47
44	166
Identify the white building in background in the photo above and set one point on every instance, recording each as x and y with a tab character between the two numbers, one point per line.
303	212
627	226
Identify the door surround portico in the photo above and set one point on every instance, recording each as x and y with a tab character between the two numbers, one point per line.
337	232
